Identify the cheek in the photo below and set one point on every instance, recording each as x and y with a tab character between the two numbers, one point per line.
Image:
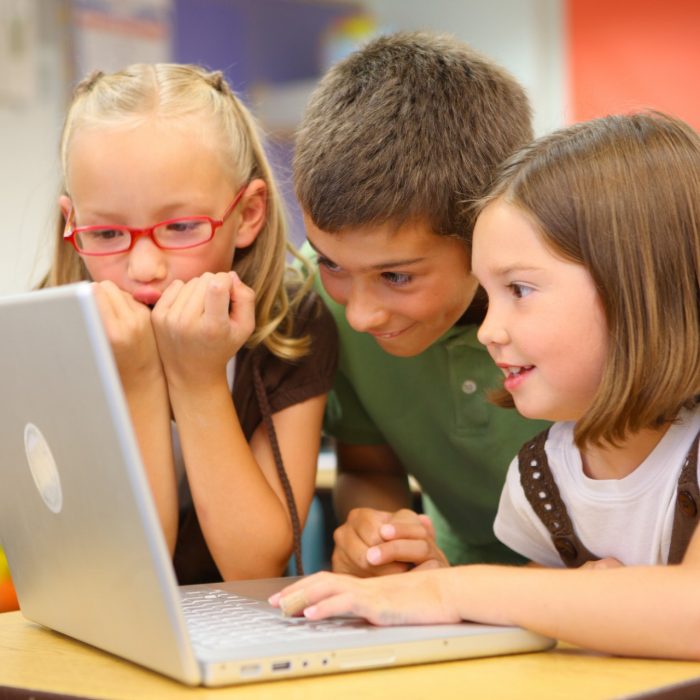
198	262
337	288
102	269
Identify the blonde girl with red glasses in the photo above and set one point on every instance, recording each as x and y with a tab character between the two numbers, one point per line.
170	208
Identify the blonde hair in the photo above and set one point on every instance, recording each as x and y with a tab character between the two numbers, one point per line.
621	196
174	92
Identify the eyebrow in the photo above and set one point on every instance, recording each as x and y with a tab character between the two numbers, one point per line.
379	266
510	269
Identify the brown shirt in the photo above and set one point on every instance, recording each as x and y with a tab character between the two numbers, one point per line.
286	384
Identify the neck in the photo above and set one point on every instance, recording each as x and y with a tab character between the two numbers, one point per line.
618	461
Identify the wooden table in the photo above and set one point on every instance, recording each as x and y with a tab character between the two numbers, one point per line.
32	657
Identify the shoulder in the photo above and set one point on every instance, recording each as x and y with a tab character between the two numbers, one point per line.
289	381
560	438
310	316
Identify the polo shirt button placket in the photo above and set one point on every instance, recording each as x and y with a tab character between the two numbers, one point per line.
469	386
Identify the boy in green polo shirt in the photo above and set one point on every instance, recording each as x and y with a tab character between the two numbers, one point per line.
396	141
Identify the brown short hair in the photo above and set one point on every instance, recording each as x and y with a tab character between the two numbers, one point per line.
621	196
409	127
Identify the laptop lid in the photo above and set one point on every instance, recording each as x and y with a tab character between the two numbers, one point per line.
82	537
77	522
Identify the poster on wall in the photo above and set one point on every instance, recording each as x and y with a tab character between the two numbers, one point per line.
110	34
18	51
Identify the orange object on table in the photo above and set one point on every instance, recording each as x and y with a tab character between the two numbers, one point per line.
8	597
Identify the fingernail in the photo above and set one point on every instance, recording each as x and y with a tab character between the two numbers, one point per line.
373	555
310	611
274	599
387	531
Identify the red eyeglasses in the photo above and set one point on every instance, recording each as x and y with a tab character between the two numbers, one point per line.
172	234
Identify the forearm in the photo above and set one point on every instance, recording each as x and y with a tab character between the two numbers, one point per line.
370	489
369	476
244	521
635	611
149	409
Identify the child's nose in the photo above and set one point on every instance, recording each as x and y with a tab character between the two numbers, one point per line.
146	261
492	331
363	311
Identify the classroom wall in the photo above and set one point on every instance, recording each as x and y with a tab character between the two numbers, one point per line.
630	54
577	58
525	36
29	132
256	42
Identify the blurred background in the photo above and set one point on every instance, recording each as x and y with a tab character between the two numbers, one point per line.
576	58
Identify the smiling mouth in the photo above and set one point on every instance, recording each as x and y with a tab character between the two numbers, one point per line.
391	334
515	375
512	371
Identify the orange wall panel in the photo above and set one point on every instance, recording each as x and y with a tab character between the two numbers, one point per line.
631	54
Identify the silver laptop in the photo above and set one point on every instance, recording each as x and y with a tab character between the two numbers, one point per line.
85	548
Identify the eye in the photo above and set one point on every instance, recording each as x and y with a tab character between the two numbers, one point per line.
398	279
518	290
104	234
328	264
184	225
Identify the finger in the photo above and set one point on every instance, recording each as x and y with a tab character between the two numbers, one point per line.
309	592
121	315
190	303
430	564
217	297
242	307
350	553
407	551
333	606
405	515
108	297
364	524
363	568
294	603
427	523
298	585
167	298
404	531
350	556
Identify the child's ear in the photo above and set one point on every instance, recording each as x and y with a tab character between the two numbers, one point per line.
253	213
64	202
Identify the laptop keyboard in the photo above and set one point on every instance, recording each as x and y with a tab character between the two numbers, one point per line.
217	619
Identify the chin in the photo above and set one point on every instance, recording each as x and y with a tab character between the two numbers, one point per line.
543	413
402	350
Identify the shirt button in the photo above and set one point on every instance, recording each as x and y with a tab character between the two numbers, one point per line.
687	504
468	386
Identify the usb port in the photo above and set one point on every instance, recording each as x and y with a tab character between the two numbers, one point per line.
248	670
281	665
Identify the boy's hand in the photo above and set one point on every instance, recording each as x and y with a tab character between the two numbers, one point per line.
201	324
421	598
127	323
375	543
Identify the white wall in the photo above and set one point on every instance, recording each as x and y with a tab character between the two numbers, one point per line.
29	180
29	186
524	36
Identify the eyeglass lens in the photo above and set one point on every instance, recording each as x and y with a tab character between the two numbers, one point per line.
180	233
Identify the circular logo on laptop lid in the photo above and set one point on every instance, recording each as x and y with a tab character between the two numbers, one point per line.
43	468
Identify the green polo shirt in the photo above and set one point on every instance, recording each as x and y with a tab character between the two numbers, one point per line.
433	412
